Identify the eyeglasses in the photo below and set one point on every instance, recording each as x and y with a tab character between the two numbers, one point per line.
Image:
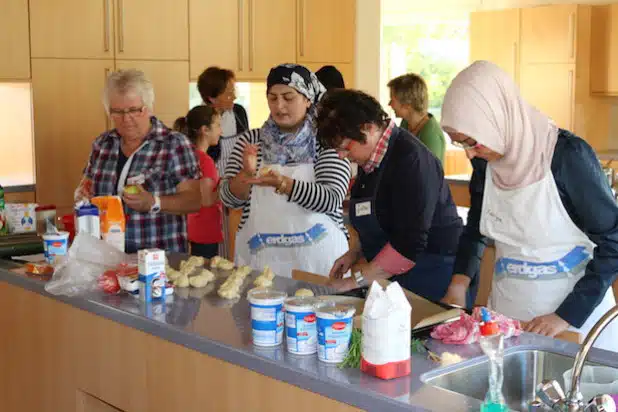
466	146
131	112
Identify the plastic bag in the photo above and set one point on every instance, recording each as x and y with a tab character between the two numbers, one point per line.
595	380
86	260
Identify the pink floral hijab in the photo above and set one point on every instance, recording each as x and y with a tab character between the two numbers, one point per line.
484	103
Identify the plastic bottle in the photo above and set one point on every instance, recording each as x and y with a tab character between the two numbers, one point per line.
492	343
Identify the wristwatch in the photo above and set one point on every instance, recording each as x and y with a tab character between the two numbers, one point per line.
360	279
156	207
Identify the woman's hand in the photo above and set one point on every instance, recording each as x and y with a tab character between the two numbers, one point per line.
84	190
249	160
343	285
343	264
547	325
457	291
140	202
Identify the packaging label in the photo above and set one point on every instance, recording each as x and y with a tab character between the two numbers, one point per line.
267	324
301	328
333	338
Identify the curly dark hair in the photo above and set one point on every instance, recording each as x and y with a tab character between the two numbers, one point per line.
342	114
213	81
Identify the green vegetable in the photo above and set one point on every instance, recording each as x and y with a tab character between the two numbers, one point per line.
352	359
418	346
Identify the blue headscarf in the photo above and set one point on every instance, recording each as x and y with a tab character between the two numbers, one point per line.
283	148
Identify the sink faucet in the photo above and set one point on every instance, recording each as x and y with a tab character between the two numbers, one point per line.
550	392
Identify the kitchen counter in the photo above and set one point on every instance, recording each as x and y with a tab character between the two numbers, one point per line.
206	327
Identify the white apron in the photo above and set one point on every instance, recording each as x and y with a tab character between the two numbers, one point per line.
540	254
285	236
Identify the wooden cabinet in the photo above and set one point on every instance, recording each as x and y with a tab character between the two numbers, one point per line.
72	29
326	31
171	86
125	29
494	36
257	35
15	53
216	44
548	34
556	97
604	50
68	116
153	29
346	69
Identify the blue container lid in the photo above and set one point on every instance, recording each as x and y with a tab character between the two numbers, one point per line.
87	210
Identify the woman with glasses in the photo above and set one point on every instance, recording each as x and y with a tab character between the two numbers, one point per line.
289	186
400	205
539	192
141	151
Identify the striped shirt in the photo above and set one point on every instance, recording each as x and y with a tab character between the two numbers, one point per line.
325	195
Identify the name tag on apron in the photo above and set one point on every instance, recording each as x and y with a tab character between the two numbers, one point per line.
363	209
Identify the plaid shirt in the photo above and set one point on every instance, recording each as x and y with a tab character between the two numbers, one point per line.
380	150
166	159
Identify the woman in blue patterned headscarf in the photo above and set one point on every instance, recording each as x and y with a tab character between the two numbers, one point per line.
292	208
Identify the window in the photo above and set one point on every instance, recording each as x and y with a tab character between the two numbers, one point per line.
434	45
16	136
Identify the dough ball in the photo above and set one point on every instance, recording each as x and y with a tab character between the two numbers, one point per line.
304	293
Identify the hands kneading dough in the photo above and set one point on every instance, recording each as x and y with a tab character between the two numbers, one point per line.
218	262
230	289
265	279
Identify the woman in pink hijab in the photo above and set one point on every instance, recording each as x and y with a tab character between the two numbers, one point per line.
540	194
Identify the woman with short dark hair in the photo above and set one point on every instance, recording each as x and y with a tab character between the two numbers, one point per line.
400	205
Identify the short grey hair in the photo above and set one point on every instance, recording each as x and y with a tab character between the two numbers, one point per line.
129	81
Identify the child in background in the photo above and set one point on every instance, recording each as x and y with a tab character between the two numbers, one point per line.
202	126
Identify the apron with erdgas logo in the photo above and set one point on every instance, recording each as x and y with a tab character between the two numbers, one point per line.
540	254
286	236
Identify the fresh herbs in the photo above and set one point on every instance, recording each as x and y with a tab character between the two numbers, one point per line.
418	346
353	358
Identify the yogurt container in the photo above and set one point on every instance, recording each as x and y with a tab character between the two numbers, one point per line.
266	316
300	326
334	323
55	246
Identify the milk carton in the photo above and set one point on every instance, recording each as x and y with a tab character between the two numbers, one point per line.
151	274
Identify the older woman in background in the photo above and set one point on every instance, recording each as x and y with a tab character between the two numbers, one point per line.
141	149
217	87
410	101
292	211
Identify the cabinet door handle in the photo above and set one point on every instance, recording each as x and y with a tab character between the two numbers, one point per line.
301	24
251	36
571	98
121	26
572	32
241	34
108	124
107	24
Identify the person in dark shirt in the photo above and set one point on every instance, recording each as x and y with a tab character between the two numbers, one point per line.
330	77
539	192
400	205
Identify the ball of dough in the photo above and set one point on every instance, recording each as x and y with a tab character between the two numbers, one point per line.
303	292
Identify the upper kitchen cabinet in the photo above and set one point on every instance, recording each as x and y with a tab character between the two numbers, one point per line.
15	53
256	35
170	81
494	36
214	44
548	34
326	31
68	116
604	50
152	29
122	29
72	29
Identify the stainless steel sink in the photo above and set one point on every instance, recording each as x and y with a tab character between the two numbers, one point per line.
523	371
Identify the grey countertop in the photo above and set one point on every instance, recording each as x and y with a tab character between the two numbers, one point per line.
19	188
220	329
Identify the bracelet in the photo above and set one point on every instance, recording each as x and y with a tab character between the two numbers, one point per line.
282	186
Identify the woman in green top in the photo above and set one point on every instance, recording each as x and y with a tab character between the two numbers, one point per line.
409	100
